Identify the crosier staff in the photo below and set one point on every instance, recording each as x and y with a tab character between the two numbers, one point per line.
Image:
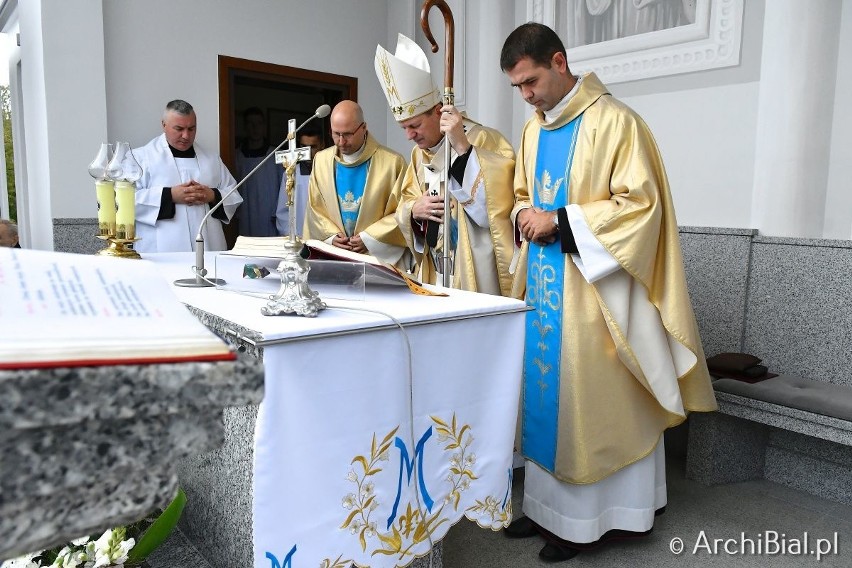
449	99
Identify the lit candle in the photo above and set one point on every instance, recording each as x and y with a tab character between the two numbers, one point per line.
106	207
125	216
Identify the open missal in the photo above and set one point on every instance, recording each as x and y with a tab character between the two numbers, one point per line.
318	250
59	310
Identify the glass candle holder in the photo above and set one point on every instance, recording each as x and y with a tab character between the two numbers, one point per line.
104	191
125	170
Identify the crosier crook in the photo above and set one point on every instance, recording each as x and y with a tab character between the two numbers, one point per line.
449	99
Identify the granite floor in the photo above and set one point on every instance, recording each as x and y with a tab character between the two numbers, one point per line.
756	508
722	512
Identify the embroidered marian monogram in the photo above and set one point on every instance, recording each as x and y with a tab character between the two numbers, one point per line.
396	528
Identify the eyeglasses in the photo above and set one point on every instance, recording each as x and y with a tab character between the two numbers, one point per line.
346	135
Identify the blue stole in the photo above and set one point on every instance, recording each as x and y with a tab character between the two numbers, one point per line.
350	182
545	278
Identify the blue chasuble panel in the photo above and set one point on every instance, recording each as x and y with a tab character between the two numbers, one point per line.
545	278
350	182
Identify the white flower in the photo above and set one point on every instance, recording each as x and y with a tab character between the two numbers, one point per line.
349	501
68	558
110	548
25	561
352	476
61	557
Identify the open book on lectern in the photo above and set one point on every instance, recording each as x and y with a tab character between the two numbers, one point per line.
377	271
67	310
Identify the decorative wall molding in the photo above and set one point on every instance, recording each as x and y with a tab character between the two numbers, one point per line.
711	42
542	11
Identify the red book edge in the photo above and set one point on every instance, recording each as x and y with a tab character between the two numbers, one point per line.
19	365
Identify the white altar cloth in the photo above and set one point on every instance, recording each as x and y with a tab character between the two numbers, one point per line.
342	475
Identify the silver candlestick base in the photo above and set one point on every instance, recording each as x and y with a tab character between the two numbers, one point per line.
294	296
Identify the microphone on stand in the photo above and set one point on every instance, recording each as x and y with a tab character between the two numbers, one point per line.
200	272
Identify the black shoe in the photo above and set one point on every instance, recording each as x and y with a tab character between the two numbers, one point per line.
553	552
521	527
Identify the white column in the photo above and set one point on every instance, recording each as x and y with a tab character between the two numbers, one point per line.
488	25
33	186
64	110
798	72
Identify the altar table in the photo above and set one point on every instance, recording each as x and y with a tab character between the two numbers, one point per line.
384	421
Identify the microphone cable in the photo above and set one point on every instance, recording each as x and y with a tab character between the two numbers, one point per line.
410	376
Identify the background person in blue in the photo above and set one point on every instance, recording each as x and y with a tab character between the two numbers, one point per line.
309	137
612	354
260	193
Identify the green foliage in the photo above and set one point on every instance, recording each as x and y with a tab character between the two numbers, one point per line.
6	102
6	108
159	530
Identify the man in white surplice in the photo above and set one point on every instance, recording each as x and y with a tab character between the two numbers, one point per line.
612	355
180	183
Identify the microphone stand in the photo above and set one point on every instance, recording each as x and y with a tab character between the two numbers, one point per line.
200	272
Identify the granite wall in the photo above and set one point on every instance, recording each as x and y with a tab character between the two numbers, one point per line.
786	301
76	235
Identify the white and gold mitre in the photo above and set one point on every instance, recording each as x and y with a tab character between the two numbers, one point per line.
406	79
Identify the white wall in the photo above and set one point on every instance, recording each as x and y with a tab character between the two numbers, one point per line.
403	18
705	124
159	50
707	139
480	29
76	102
838	201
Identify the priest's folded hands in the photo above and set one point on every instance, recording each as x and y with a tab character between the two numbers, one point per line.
537	225
192	193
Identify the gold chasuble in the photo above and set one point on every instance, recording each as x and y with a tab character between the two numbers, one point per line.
617	390
377	205
483	254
